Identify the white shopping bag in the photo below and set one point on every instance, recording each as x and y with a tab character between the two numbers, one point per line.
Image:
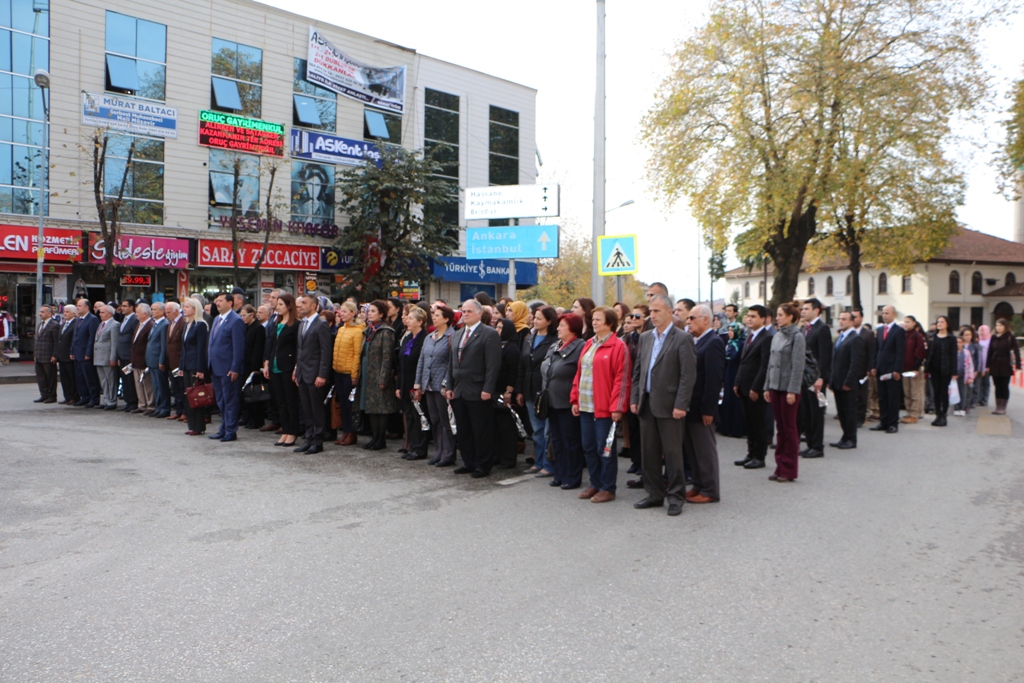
954	393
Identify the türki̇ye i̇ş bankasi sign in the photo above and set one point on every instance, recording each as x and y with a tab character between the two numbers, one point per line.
240	134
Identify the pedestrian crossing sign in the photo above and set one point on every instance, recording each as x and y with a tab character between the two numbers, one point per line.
616	255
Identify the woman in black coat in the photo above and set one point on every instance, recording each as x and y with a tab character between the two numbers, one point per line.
194	359
255	346
408	358
278	365
1003	361
505	431
529	383
940	367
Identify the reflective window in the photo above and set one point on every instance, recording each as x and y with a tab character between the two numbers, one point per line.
234	181
441	141
312	106
142	201
242	65
504	147
312	193
27	16
382	125
225	94
136	60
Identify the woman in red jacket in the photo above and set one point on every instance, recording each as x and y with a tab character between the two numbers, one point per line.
600	396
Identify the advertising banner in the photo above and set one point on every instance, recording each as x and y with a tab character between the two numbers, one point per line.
145	252
307	144
240	134
217	254
457	269
331	68
129	114
20	242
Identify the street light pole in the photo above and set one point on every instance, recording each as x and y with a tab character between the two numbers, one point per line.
596	285
42	80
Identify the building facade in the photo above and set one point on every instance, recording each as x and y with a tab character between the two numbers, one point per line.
973	281
211	97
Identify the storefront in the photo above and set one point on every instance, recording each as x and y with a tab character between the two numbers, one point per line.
459	279
153	266
18	245
281	267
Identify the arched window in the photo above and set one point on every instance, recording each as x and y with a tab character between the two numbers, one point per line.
976	283
954	282
1011	279
883	283
810	286
906	284
760	289
828	286
746	290
849	284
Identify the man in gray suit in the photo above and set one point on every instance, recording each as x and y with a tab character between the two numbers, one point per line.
104	357
313	357
156	349
473	367
663	378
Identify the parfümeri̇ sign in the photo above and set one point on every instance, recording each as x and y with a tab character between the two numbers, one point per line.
240	134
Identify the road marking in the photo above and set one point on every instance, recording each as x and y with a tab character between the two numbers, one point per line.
515	480
997	425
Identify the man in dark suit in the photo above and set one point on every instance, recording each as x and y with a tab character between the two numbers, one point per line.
892	343
45	353
65	361
700	447
312	366
141	377
750	386
663	377
172	359
868	335
129	323
155	357
819	343
227	356
86	379
473	367
273	419
849	364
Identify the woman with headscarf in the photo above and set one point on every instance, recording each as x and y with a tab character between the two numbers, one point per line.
505	432
376	374
983	383
519	313
731	418
1003	361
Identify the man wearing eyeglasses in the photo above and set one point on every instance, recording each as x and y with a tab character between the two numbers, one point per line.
700	448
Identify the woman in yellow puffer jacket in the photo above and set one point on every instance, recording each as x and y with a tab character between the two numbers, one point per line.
348	344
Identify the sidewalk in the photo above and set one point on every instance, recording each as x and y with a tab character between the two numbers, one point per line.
18	372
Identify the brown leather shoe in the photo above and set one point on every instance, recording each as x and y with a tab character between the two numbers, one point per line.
909	420
700	499
603	497
268	428
172	416
349	439
692	493
182	418
588	492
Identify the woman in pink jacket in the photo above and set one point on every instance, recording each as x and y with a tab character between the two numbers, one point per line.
600	396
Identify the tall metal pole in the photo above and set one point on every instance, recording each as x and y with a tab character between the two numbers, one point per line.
596	285
42	80
618	288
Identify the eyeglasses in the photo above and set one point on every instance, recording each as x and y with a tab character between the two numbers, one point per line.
692	317
634	316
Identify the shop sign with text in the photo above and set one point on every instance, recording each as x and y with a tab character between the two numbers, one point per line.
129	114
217	254
144	252
240	134
307	144
21	242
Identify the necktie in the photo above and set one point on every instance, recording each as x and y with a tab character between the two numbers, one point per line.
100	330
216	326
840	340
750	340
462	344
885	332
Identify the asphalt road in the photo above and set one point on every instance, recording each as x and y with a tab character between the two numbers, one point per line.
130	552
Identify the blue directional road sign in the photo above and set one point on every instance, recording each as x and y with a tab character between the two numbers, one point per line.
616	255
512	242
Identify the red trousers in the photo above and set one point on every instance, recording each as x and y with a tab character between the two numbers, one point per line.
787	437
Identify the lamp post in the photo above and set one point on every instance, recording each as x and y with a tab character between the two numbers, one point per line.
42	79
596	284
618	278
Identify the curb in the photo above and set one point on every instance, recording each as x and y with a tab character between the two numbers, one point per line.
18	379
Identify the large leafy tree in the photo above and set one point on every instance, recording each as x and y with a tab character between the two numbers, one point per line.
753	125
397	220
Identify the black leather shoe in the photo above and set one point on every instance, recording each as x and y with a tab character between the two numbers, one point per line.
445	463
835	445
674	509
218	436
462	470
111	408
742	463
303	448
554	482
647	503
859	425
633	469
635	484
233	437
413	456
480	474
316	448
433	461
567	487
846	445
812	453
877	428
754	464
892	430
39	400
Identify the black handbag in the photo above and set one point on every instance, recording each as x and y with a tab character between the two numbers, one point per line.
540	406
256	390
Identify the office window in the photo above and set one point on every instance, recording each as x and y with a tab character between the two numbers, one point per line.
24	47
746	290
504	147
953	313
441	137
977	316
976	282
237	77
905	285
382	126
312	106
829	286
954	283
136	57
234	181
849	285
810	286
1011	279
144	186
883	283
312	193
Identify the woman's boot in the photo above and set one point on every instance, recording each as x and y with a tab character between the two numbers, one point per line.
1000	407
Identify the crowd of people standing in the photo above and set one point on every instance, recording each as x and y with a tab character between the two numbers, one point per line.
665	378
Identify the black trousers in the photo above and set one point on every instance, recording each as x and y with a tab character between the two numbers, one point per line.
505	437
286	396
890	394
196	416
128	392
862	401
1002	387
46	378
67	380
475	420
177	394
88	381
342	389
756	426
636	450
418	437
940	393
312	399
814	418
846	408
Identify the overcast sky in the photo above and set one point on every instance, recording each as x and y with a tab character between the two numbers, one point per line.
550	46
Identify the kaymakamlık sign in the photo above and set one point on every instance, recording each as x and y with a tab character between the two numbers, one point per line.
240	134
327	66
307	144
129	115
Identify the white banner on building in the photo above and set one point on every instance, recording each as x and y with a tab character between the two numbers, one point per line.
327	66
129	114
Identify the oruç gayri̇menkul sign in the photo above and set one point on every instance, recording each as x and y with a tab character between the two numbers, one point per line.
380	86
